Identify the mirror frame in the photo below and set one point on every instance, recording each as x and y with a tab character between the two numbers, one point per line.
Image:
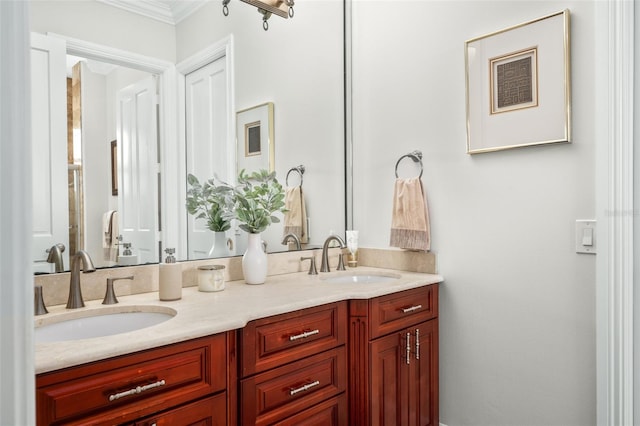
348	113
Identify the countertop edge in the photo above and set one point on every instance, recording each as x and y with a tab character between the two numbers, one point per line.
203	314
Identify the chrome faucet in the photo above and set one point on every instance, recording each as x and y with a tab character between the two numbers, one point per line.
55	256
75	292
294	237
324	267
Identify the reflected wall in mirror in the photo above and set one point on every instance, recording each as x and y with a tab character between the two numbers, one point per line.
305	81
115	103
255	141
105	104
87	104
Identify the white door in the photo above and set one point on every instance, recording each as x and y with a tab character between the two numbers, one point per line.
138	168
208	152
49	148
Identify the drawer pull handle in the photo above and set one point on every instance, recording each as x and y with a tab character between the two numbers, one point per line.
303	335
304	387
411	309
408	348
136	390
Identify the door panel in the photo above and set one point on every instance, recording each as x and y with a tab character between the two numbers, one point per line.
49	148
207	148
138	168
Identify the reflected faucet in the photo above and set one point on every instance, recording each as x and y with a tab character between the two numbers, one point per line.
325	252
75	292
55	256
294	237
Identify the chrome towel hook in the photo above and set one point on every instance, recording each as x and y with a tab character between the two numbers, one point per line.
416	156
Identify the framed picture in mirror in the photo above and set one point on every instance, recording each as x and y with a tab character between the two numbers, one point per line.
255	138
114	168
518	86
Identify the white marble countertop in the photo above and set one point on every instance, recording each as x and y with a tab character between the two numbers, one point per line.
202	314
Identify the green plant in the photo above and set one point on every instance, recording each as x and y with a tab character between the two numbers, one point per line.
256	198
211	202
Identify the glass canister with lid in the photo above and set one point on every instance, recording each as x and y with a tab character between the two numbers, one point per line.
211	278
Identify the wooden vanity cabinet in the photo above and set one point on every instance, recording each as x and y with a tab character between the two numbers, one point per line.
293	368
393	343
185	381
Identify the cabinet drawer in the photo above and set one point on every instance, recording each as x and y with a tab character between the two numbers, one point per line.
210	411
270	342
132	386
284	391
332	412
399	310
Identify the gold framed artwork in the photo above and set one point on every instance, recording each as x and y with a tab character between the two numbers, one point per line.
518	90
255	138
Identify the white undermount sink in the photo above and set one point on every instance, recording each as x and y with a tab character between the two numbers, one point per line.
360	278
99	322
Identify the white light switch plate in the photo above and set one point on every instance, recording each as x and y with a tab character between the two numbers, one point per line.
586	236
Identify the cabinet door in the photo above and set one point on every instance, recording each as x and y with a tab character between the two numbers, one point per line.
422	386
404	377
388	373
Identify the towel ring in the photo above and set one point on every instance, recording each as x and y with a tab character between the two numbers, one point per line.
416	156
299	169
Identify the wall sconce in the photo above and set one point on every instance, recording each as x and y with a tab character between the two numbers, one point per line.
283	8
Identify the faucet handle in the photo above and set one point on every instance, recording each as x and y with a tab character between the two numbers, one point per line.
341	263
312	265
39	307
110	295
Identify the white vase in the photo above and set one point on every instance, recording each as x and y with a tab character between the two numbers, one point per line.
254	261
219	247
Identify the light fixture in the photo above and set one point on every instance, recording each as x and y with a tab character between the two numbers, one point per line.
283	8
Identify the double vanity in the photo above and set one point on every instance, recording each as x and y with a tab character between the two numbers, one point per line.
355	347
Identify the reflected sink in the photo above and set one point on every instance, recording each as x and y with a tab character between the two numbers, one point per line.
99	322
361	278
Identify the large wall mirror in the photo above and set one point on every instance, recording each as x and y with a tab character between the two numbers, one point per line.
303	82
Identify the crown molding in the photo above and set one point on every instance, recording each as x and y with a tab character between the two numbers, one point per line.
167	11
184	8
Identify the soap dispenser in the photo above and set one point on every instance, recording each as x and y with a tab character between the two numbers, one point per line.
170	285
127	257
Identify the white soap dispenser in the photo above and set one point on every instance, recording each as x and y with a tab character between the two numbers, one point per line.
170	285
127	258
